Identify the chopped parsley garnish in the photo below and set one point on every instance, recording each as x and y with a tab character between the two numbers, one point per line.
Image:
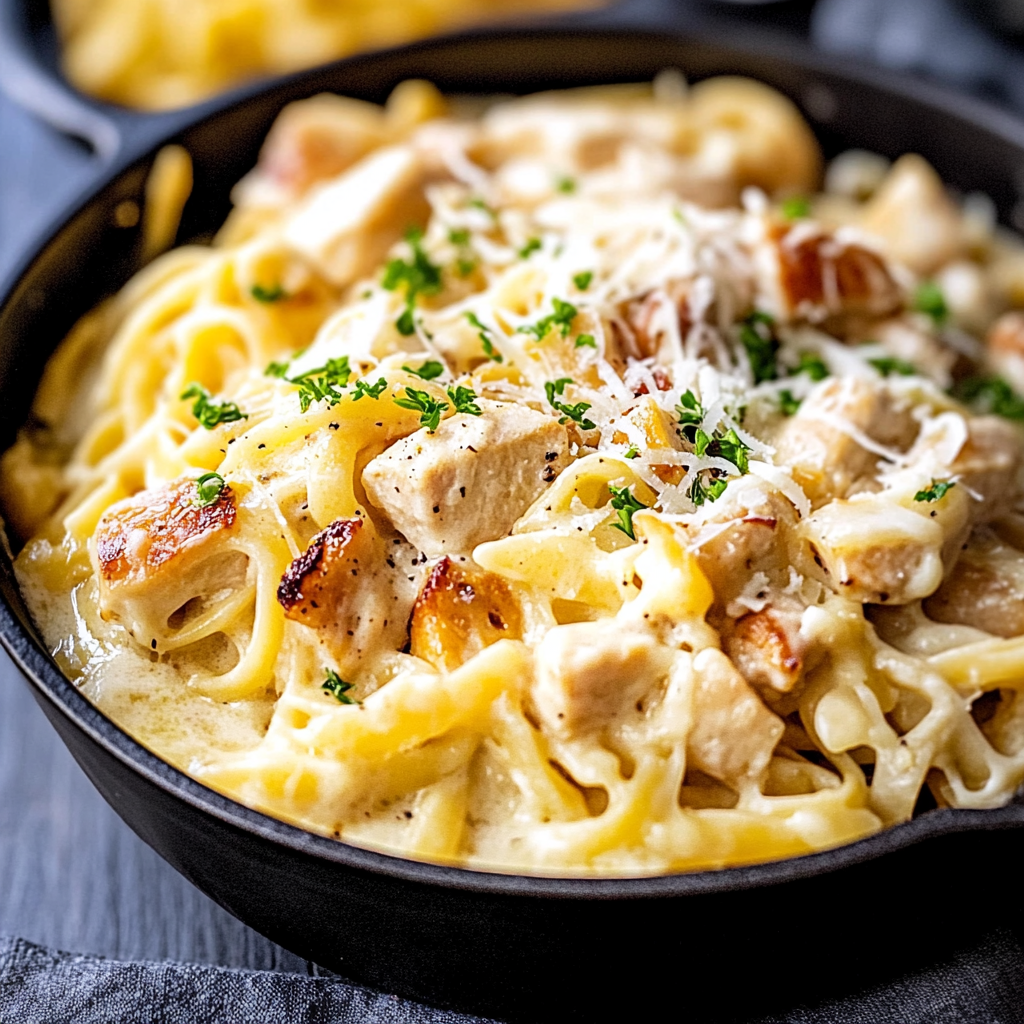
632	453
466	262
787	403
566	184
428	371
812	365
626	505
935	491
275	293
276	370
374	391
418	275
464	400
796	207
484	333
209	488
553	388
726	446
758	338
530	248
428	407
561	319
338	688
586	341
928	299
582	279
990	395
691	414
322	382
701	492
479	204
208	412
887	365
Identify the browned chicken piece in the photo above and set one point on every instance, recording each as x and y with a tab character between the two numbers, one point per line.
817	277
160	549
733	734
354	587
318	138
589	673
1005	342
985	589
826	461
459	612
467	482
643	317
989	465
766	645
749	529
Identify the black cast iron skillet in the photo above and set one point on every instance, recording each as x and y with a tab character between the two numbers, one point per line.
508	945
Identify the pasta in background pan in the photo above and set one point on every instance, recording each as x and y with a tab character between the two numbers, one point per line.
569	487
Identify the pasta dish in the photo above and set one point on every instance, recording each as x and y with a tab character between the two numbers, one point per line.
157	54
591	482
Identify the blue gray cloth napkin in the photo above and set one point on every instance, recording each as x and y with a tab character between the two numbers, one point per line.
983	984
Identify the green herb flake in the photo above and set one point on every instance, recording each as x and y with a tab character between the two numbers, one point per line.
374	391
464	400
796	208
484	333
430	370
627	506
701	492
322	383
582	279
758	339
275	293
276	369
812	365
210	413
788	405
632	453
586	341
566	185
554	388
728	446
477	203
990	395
691	414
561	320
887	365
338	688
209	488
429	408
530	248
936	490
930	300
418	276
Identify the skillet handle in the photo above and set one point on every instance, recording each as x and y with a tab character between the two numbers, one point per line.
30	76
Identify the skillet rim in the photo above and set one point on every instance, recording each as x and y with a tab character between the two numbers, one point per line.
42	673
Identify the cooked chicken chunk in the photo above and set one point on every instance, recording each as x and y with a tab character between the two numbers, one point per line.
471	479
745	532
159	550
318	138
459	612
354	587
807	274
985	589
345	227
915	218
1005	342
825	458
588	673
766	646
989	465
733	733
